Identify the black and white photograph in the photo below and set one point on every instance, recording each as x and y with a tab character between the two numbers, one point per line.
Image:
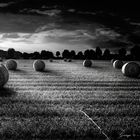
69	70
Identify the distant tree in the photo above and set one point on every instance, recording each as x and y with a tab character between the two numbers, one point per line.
80	55
50	55
57	54
3	54
66	54
114	56
10	53
72	54
129	57
43	54
98	53
25	55
18	55
87	54
106	54
135	52
36	55
92	54
31	55
122	53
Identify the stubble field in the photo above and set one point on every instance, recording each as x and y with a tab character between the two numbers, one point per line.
47	104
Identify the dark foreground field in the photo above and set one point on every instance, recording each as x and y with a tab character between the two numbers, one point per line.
47	104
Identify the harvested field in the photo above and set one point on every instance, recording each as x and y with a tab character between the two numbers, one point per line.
47	104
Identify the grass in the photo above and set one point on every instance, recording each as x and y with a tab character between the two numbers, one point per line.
47	104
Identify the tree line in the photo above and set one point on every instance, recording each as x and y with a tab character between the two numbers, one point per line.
95	54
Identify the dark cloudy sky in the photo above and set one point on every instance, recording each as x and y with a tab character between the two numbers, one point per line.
54	25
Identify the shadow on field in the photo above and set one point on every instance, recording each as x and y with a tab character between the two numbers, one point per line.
20	71
96	67
52	72
133	78
6	92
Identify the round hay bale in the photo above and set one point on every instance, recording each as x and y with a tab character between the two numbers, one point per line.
117	64
4	75
65	60
131	69
51	60
87	63
39	65
69	60
11	64
112	61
